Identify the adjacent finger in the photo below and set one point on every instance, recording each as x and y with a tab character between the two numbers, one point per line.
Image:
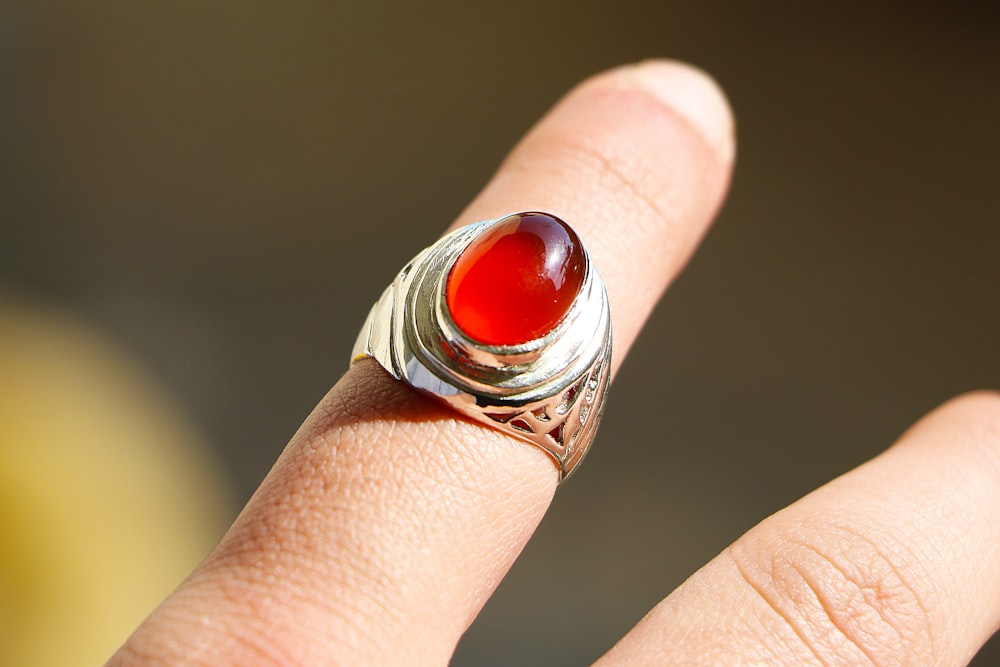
895	563
389	520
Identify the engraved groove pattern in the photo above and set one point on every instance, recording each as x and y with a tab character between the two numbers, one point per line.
579	409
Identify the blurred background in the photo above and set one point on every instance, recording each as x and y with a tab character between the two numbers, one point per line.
199	201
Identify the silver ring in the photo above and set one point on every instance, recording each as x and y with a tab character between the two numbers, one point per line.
528	353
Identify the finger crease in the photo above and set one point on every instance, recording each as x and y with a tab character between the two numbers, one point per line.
785	617
829	610
904	581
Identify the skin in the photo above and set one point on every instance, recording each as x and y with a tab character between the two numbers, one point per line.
377	538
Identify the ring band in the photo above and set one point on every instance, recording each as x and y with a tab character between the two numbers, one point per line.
506	321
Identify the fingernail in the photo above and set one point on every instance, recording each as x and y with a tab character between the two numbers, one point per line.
692	94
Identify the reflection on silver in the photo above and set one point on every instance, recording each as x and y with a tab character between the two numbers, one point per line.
549	391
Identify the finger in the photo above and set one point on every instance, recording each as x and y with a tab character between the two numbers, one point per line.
640	201
895	563
389	520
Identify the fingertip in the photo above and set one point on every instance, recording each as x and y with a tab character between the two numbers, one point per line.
692	94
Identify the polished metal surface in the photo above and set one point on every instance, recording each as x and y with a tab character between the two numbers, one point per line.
549	391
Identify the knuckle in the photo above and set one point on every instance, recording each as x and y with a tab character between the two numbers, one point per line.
617	141
179	634
978	414
259	624
608	160
612	176
846	598
979	409
988	399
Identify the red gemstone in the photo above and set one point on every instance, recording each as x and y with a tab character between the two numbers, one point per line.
516	281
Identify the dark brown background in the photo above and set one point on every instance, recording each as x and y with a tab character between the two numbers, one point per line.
225	187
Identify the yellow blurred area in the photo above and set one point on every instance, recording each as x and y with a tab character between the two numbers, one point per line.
107	496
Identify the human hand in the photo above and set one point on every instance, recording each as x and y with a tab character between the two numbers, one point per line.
389	520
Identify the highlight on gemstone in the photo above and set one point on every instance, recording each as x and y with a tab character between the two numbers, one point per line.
517	280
